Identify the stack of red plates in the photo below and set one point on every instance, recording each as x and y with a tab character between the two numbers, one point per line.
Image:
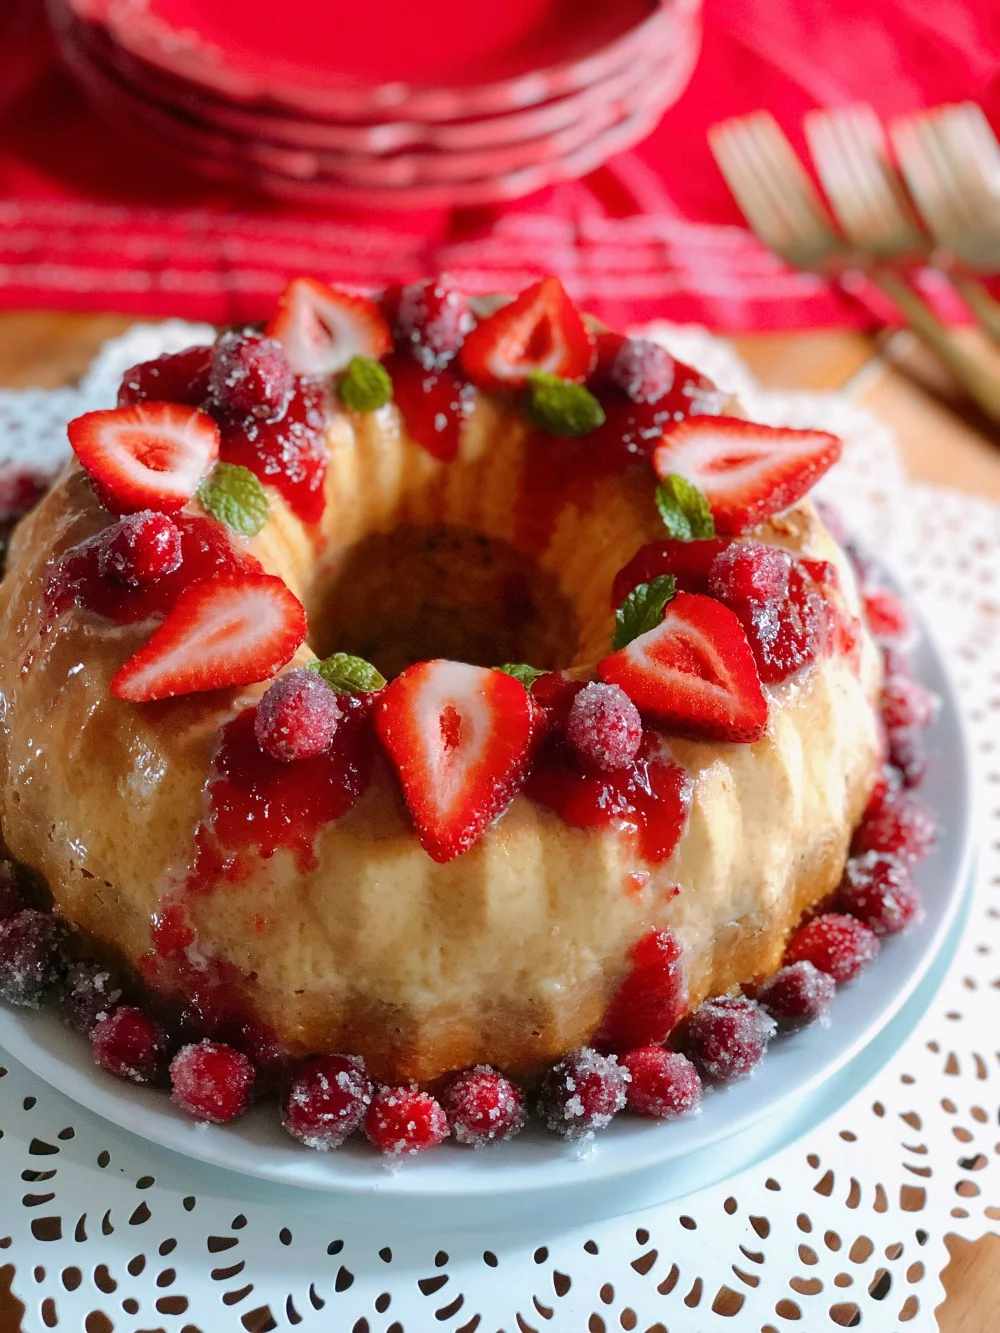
386	103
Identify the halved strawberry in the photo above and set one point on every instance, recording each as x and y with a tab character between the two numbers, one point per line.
459	736
541	330
233	631
694	672
147	456
321	329
747	471
689	562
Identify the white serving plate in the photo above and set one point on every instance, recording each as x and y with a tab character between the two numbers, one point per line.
803	1078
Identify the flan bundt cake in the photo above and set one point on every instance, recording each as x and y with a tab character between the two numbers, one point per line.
454	688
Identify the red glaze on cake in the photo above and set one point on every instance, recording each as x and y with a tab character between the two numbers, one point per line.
465	866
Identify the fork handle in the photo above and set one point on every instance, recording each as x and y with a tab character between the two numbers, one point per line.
980	301
977	382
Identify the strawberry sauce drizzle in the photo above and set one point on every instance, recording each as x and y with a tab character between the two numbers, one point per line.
289	453
432	403
648	801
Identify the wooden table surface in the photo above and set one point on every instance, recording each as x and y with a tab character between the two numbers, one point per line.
943	443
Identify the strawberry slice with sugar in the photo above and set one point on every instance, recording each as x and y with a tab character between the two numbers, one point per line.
540	331
459	737
146	456
229	632
694	673
747	471
322	329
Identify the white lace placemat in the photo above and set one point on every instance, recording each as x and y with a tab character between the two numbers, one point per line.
846	1228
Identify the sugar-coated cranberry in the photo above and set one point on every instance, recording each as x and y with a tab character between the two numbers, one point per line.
139	549
887	615
895	662
431	320
604	727
327	1101
908	755
797	995
129	1045
749	571
250	376
32	956
298	716
89	993
878	889
887	782
837	944
663	1084
643	370
177	377
790	634
482	1107
404	1121
906	703
211	1081
652	997
582	1093
727	1037
899	824
13	897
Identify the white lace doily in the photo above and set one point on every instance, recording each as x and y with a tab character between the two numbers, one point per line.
846	1228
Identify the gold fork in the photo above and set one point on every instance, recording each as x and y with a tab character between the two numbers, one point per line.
950	160
784	208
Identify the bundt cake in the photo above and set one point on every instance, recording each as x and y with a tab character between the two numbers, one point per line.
452	687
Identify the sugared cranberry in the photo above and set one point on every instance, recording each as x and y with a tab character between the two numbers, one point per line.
582	1093
887	616
900	824
482	1107
905	703
797	995
749	571
250	376
878	889
298	716
404	1121
327	1101
210	1081
431	320
178	377
13	897
728	1036
651	999
788	635
139	549
908	755
664	1084
895	661
129	1045
604	727
32	956
90	992
643	370
836	944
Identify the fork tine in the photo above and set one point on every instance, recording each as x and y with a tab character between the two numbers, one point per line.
922	180
974	149
771	186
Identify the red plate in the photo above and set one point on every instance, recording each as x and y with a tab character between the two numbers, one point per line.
360	60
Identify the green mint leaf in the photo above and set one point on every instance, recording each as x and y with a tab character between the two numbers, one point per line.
642	609
684	510
234	496
562	407
365	385
527	675
347	674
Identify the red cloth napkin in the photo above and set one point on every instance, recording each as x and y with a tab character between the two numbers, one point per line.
88	223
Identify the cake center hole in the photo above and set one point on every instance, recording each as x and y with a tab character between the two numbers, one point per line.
421	592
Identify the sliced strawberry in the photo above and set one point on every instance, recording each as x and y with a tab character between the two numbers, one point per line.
459	737
748	472
694	672
147	456
689	562
232	631
541	330
321	329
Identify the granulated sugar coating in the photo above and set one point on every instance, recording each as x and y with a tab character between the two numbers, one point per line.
483	1107
327	1101
582	1093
